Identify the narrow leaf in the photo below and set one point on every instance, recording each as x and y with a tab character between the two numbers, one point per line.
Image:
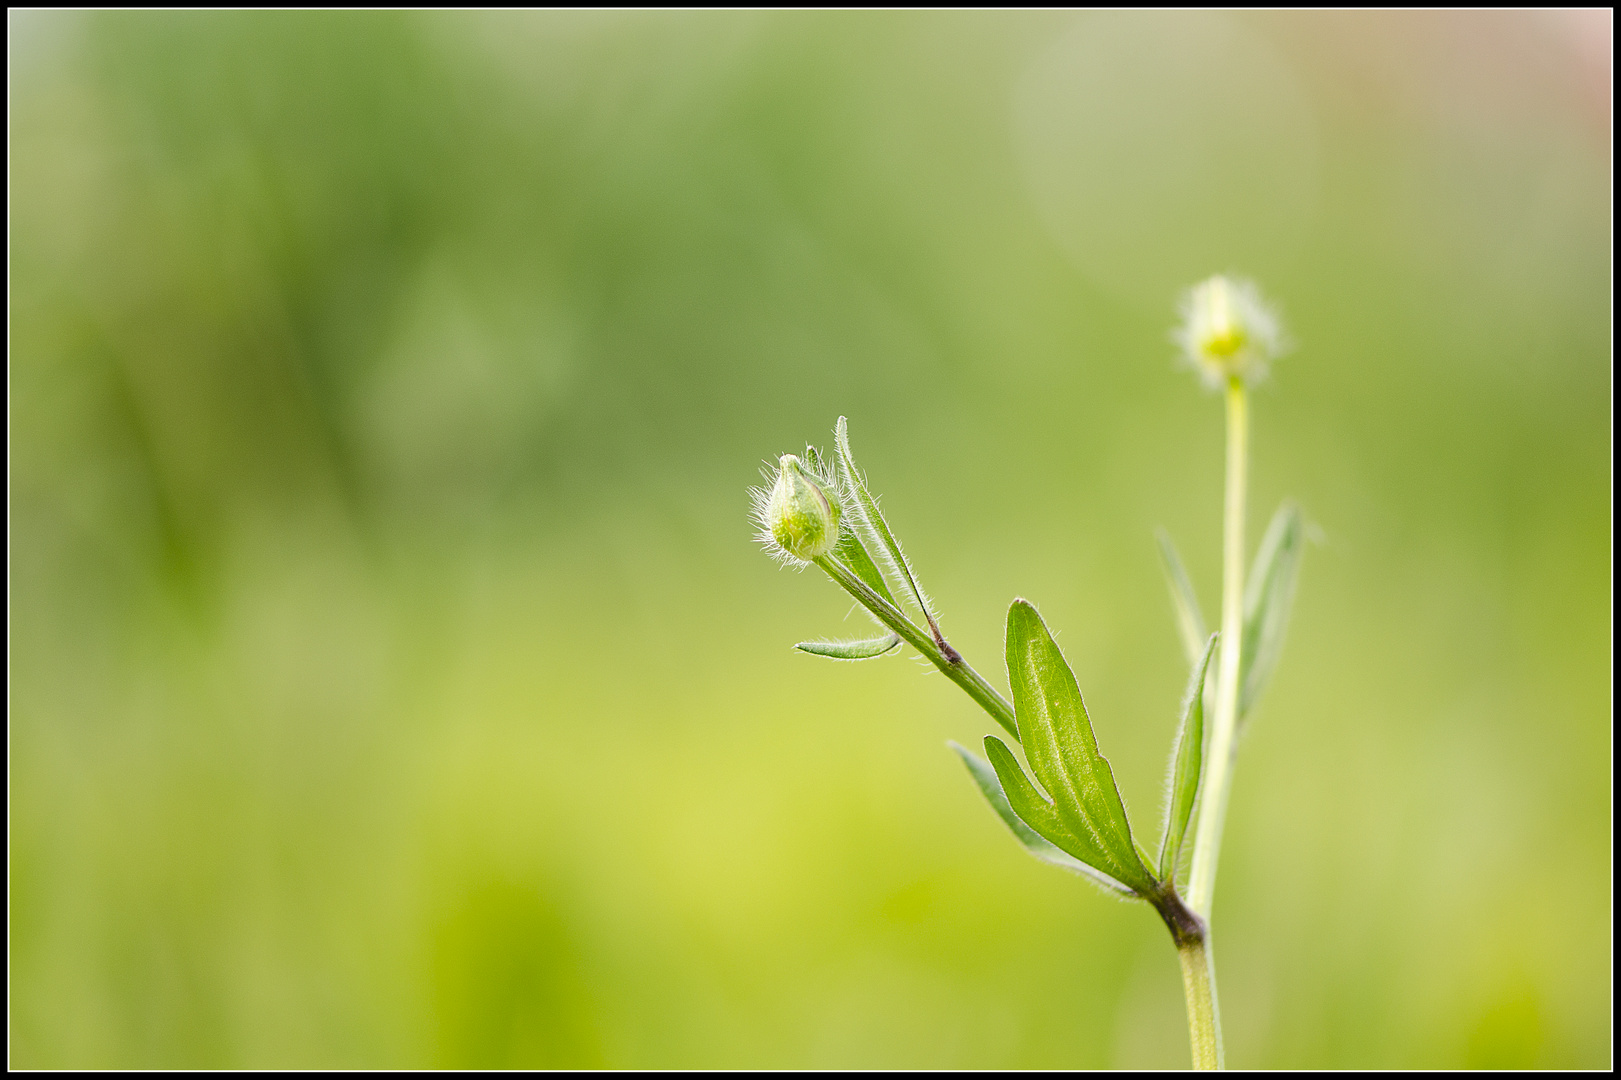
851	650
1189	620
990	785
853	554
1057	738
1187	766
872	520
1268	599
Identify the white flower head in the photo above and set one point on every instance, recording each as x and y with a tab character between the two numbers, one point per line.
1228	331
798	516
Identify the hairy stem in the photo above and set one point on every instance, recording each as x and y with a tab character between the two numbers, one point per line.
1219	761
1192	937
948	660
1204	1016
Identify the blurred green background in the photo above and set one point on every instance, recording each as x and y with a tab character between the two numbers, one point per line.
394	681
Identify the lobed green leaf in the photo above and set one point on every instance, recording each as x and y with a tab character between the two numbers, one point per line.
990	785
1063	754
1187	766
1032	818
851	650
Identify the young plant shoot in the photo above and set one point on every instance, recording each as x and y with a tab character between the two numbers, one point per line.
1062	803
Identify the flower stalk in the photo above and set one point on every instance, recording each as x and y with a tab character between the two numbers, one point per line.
1199	987
1223	742
953	667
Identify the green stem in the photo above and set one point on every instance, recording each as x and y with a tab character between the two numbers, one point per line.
1204	1015
1219	760
1192	937
954	667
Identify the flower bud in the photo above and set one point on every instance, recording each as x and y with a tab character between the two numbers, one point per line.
798	520
1228	331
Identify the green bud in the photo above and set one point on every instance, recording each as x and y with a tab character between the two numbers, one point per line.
798	520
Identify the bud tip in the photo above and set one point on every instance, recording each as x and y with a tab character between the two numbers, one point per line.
798	520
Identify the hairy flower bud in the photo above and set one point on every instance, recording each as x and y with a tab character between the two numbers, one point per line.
797	519
1228	331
